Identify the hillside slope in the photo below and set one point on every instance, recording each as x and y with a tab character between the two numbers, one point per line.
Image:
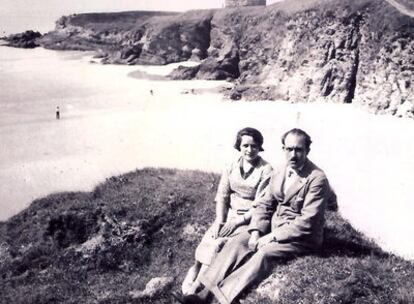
132	239
351	51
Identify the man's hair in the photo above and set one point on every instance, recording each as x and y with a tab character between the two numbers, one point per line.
257	137
298	132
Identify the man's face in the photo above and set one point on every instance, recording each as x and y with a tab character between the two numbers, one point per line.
295	151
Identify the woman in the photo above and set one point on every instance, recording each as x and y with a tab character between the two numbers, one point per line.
240	184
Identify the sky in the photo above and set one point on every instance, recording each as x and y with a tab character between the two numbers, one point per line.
20	15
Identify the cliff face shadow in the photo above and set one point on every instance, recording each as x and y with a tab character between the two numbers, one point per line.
350	268
341	239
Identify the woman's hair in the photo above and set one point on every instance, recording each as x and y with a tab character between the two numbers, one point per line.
257	137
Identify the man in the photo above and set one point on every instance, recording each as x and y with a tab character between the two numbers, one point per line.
287	221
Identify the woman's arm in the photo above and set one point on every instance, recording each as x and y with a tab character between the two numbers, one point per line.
222	208
222	202
221	217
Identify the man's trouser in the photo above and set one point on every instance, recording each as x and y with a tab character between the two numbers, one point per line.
236	266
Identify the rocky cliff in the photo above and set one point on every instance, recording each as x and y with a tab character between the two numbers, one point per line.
345	51
134	37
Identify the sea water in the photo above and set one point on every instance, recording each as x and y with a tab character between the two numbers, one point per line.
111	123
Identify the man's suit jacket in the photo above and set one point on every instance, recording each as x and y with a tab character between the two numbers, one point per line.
297	215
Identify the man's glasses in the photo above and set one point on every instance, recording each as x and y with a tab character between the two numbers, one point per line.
295	149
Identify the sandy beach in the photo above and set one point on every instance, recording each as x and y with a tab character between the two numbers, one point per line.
111	123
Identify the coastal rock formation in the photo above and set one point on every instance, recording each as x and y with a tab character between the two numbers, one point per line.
27	39
135	37
348	51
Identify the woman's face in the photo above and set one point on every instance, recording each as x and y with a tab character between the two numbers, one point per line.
248	148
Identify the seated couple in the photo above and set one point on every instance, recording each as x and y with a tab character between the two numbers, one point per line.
261	215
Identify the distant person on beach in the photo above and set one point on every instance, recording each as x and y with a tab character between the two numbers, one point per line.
240	186
288	221
57	112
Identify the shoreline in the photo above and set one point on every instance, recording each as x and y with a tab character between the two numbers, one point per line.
114	125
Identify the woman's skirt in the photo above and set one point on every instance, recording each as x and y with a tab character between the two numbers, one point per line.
209	246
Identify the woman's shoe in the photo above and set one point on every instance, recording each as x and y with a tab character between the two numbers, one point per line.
191	276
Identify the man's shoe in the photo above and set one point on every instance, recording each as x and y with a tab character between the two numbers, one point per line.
178	296
193	299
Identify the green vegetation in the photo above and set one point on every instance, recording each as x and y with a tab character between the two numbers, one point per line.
98	247
107	21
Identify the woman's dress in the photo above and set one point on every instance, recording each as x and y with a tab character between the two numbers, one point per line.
239	190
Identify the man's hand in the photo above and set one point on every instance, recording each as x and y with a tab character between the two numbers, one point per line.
216	227
264	240
254	237
228	228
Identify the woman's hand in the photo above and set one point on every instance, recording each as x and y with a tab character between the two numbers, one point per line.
254	237
228	228
264	240
216	227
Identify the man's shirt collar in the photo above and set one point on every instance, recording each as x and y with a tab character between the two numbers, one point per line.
290	171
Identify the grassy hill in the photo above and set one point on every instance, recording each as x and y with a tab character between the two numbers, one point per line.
106	245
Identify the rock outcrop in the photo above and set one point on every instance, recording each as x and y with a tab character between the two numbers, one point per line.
154	288
27	39
300	51
135	37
